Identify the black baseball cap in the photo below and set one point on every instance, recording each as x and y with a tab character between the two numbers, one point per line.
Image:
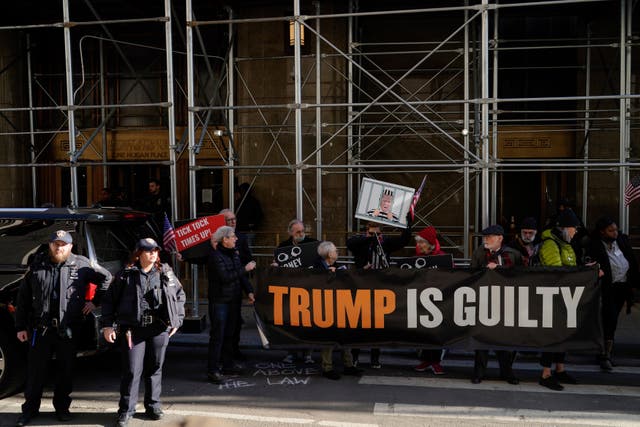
147	244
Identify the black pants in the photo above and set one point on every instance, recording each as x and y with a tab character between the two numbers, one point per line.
546	359
223	319
430	355
505	360
613	299
40	351
143	360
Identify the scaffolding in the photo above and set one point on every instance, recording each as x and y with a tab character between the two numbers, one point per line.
348	101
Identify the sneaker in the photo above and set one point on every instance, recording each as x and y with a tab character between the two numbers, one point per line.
309	360
437	369
154	414
215	377
288	358
352	370
551	383
24	420
512	379
375	364
123	420
605	365
422	367
564	377
332	375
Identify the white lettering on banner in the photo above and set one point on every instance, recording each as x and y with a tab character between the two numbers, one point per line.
572	304
491	306
464	316
183	231
495	306
427	296
547	304
523	309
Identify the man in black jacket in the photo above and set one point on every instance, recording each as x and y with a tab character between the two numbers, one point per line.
619	274
372	250
51	307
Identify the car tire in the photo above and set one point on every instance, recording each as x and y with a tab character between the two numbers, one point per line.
12	369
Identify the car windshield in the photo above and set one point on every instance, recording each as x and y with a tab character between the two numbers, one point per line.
113	242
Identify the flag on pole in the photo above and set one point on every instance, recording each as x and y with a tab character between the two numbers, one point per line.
416	197
632	190
168	236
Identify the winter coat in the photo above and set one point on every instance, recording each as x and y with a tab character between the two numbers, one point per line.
122	303
36	288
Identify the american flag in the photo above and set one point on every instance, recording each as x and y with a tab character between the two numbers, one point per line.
632	190
416	197
168	236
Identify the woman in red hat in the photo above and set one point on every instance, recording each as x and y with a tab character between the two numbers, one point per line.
428	245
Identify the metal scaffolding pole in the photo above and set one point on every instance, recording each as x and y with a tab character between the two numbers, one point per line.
73	170
465	134
585	150
350	144
297	70
319	217
494	132
171	115
191	147
32	141
485	205
624	147
231	113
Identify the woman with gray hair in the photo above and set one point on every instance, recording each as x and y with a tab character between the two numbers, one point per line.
227	280
328	255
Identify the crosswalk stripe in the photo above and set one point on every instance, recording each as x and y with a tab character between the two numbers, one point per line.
466	414
465	384
534	366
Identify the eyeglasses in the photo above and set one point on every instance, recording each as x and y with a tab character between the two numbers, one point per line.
230	219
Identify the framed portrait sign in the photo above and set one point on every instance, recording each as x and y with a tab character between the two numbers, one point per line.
384	202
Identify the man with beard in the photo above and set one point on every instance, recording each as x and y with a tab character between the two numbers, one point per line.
51	307
297	237
526	242
493	254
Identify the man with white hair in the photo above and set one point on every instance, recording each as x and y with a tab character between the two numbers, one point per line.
227	280
246	258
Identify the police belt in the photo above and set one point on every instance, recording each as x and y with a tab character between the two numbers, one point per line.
149	318
49	323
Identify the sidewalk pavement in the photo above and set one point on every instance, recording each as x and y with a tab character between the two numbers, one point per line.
627	344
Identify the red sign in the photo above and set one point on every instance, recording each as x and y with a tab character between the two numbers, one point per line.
197	231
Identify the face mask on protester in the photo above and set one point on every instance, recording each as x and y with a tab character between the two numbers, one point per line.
299	238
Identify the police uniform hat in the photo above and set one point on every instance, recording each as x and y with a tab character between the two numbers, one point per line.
61	235
147	244
493	230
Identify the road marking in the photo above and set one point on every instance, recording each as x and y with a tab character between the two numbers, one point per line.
264	419
470	413
465	384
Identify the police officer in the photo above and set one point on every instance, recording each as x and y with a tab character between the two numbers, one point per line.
51	307
142	308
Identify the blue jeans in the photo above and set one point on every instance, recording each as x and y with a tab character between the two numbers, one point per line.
223	323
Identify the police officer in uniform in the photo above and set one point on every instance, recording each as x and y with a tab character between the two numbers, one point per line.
143	308
51	306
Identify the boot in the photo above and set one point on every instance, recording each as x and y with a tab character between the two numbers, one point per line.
605	358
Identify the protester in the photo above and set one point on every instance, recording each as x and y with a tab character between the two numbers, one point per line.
297	237
52	303
427	244
247	260
556	251
327	257
372	251
142	308
526	242
227	280
494	254
619	274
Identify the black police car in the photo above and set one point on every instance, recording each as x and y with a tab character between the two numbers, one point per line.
105	235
